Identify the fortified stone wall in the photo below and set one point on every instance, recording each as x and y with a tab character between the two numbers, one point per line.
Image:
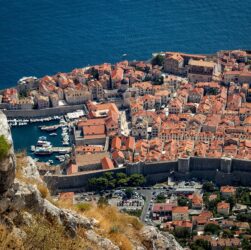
157	178
77	181
198	174
222	170
159	167
241	165
34	113
197	163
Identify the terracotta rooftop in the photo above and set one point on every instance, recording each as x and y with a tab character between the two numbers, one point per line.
107	163
180	210
227	189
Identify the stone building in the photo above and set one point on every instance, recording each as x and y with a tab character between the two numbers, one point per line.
54	100
77	96
173	63
201	71
180	213
96	90
42	101
139	128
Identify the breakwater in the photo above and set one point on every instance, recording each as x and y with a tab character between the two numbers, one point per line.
222	171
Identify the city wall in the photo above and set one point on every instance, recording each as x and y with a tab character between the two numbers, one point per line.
36	113
75	182
223	171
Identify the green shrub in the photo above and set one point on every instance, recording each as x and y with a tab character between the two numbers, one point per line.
115	229
82	207
212	228
4	147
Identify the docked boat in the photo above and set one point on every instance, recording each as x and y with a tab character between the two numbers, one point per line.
63	151
43	151
61	158
44	144
42	138
33	148
49	128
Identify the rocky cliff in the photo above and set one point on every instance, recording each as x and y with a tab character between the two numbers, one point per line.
7	164
30	220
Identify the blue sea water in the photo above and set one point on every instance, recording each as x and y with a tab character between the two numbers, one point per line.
25	136
39	37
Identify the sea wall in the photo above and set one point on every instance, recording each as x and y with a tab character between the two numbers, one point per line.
35	113
221	170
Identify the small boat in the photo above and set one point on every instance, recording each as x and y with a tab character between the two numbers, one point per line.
44	144
62	152
49	128
33	148
42	138
53	134
51	161
124	55
43	151
61	158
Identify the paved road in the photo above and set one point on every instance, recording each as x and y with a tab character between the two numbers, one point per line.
124	124
148	196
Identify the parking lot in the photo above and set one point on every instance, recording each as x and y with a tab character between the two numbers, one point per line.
143	198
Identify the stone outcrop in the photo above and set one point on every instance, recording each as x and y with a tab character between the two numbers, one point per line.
7	165
156	240
101	242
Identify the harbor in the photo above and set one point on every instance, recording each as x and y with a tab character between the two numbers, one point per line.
44	139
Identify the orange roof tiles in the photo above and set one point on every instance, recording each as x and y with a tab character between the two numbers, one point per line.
158	207
117	154
72	169
94	130
116	143
197	199
180	210
179	223
223	205
107	163
227	189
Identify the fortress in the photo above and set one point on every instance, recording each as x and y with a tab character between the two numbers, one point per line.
223	171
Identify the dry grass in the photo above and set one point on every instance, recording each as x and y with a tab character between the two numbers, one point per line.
9	240
45	235
43	190
119	228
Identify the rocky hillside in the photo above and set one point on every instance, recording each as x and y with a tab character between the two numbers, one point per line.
31	219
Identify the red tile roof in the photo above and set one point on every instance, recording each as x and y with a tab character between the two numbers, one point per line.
107	163
159	207
180	210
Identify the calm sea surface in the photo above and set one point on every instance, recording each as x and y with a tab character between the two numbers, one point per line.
39	37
